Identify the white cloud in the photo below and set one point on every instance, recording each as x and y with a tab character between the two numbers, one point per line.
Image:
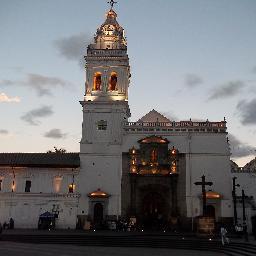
193	80
227	90
42	85
73	47
55	134
32	116
6	98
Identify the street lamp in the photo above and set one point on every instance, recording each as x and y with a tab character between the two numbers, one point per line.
234	198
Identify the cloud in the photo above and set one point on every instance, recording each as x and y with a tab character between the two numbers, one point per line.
55	134
3	131
171	116
73	47
238	148
247	111
193	80
6	82
254	70
5	98
227	90
43	85
32	116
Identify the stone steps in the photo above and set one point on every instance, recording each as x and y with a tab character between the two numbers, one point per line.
154	241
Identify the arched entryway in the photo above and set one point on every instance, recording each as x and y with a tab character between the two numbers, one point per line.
98	213
210	211
153	211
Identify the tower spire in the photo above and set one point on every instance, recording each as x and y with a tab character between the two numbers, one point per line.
112	2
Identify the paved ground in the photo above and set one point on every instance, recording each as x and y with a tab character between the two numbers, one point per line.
20	249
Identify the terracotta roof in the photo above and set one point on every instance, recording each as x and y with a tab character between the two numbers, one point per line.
53	160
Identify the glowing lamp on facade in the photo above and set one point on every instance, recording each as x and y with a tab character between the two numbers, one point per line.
98	194
212	195
133	169
173	169
173	151
154	171
133	151
71	188
13	186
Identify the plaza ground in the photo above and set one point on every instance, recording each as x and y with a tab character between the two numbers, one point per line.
13	249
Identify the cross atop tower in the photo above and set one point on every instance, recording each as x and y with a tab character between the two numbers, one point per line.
112	2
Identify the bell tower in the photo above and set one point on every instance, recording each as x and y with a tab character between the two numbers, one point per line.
107	63
105	104
105	109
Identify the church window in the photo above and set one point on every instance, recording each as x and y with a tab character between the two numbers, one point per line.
113	82
1	185
102	125
28	186
97	81
57	184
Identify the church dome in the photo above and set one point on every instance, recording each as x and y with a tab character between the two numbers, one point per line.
110	35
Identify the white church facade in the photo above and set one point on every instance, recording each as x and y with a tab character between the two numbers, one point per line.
145	169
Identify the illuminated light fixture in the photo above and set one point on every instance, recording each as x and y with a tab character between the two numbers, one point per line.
71	188
212	195
173	151
133	150
174	169
13	186
134	169
98	194
154	171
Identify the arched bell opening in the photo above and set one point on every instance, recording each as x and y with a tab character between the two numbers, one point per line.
97	81
112	86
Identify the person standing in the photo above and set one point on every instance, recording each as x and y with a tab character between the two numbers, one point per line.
11	223
224	238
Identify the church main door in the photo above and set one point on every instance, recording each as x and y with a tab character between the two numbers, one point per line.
98	214
153	211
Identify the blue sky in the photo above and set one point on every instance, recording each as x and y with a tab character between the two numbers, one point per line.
189	59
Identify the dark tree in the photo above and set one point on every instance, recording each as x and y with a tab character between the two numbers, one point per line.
57	150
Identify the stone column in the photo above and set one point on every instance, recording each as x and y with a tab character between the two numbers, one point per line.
174	179
133	194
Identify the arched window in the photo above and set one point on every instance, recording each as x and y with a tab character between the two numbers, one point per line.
97	81
113	82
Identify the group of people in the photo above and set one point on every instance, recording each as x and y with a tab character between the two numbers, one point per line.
6	225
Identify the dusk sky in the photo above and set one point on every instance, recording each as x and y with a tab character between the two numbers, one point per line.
189	59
